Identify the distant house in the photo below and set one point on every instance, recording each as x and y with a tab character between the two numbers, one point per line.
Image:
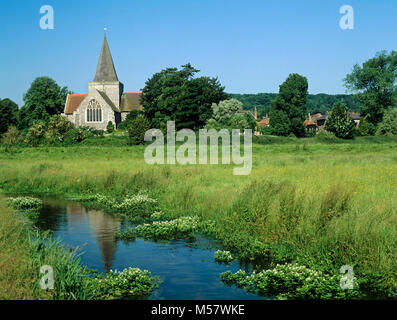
309	124
319	119
265	122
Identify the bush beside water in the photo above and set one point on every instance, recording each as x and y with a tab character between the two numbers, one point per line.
25	203
291	281
131	282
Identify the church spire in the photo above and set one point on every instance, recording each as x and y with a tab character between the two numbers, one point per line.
105	70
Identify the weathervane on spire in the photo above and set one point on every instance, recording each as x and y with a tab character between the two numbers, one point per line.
105	29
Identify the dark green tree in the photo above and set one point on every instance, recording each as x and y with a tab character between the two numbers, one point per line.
279	123
137	129
340	122
8	114
374	84
43	99
290	104
174	94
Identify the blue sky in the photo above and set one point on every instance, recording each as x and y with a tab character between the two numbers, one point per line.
250	45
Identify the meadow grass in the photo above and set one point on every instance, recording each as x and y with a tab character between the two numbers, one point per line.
24	250
323	205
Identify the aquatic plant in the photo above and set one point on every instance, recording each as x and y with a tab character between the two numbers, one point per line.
166	230
24	203
32	215
126	234
131	282
291	281
158	215
223	256
138	205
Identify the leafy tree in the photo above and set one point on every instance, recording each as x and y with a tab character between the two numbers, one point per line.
375	85
340	122
239	121
389	124
315	102
225	116
224	111
8	114
290	104
366	128
11	137
137	129
43	99
174	94
279	123
133	114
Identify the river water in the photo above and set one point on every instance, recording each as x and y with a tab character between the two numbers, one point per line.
187	269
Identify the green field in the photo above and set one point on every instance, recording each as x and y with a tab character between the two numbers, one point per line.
323	205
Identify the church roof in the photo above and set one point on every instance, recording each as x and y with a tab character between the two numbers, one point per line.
73	101
105	70
131	101
108	101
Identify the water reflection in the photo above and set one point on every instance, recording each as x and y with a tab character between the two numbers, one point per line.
102	226
188	269
66	218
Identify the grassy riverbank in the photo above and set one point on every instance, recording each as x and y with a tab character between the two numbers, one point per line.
319	204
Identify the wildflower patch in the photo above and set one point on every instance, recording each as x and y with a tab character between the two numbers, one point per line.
25	203
290	281
131	282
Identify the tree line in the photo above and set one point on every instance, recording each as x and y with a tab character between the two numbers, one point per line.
201	102
321	102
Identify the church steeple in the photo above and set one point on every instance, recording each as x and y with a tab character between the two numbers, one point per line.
105	71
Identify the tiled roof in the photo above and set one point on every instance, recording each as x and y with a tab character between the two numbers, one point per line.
131	101
264	122
73	101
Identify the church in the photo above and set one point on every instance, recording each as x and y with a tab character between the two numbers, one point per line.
106	100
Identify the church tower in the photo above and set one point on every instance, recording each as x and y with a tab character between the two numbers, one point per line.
106	79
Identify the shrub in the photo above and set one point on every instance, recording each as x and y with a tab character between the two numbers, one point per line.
58	127
223	256
110	127
291	281
366	128
76	135
36	134
127	283
137	129
388	127
326	137
11	137
24	203
158	215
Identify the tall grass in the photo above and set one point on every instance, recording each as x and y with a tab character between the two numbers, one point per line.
23	251
324	205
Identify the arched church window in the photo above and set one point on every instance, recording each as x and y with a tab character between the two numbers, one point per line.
94	111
